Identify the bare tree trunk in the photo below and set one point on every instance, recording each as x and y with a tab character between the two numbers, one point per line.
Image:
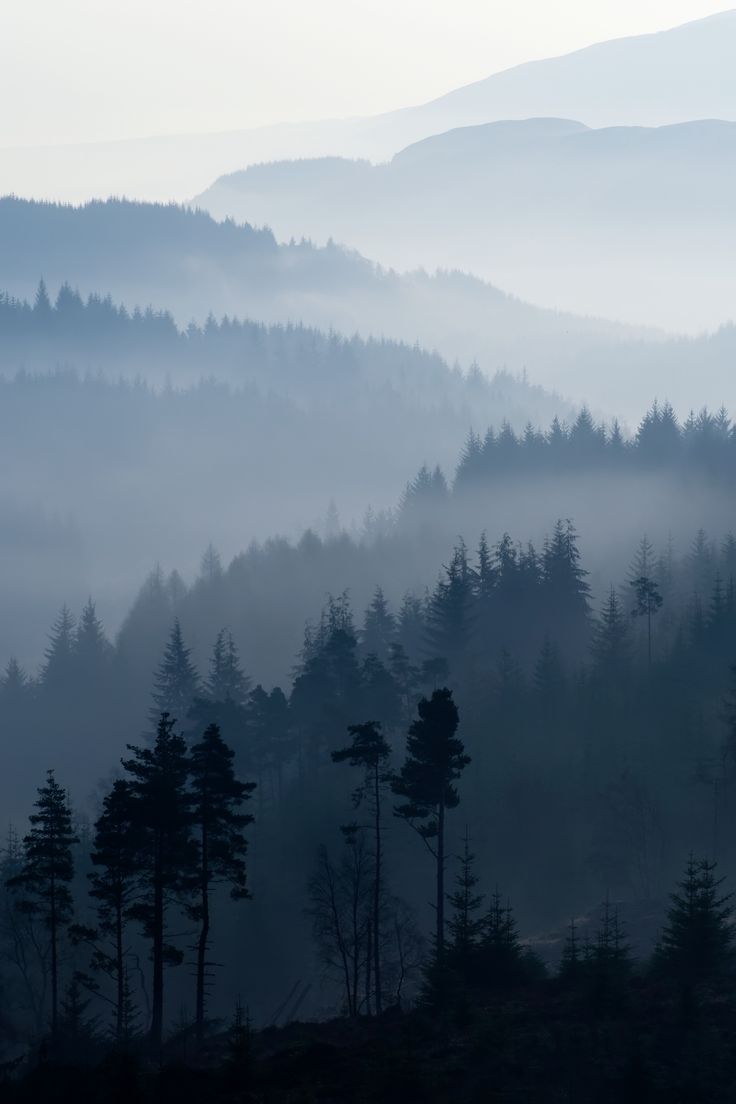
157	1002
377	895
440	884
204	934
53	926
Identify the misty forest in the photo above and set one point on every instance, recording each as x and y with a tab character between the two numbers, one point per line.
368	604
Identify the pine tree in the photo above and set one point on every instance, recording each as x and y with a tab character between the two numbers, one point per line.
435	759
697	942
176	682
46	873
647	603
165	851
217	797
371	753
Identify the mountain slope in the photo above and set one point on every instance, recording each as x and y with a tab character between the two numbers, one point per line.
680	74
634	222
186	262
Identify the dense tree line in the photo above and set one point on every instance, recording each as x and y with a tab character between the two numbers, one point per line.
567	711
704	442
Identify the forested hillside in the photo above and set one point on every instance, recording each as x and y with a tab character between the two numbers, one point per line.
229	432
182	260
567	709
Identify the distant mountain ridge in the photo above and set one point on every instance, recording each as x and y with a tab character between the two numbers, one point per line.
186	262
631	222
606	84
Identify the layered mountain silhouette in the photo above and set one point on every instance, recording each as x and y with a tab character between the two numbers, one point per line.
185	261
635	222
681	74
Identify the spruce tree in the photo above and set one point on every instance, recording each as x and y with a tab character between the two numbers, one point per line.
697	942
46	873
379	627
165	851
56	672
226	681
611	645
451	611
435	759
501	952
176	682
464	927
218	825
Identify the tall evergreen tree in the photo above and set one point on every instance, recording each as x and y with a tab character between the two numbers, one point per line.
435	759
165	850
450	612
56	672
226	680
464	926
46	873
217	797
176	682
611	645
647	603
379	627
115	857
697	942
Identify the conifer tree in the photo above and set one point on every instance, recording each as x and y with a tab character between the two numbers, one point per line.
176	682
379	627
115	857
370	752
226	681
165	850
58	656
697	942
435	759
501	953
46	873
647	603
91	646
464	927
611	646
218	824
451	609
14	685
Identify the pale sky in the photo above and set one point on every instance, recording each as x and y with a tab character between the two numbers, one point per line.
91	70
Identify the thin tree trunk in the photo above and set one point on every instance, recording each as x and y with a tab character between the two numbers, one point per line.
157	1000
53	926
204	934
368	956
441	884
377	897
120	972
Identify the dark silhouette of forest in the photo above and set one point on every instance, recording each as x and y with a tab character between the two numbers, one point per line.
500	746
